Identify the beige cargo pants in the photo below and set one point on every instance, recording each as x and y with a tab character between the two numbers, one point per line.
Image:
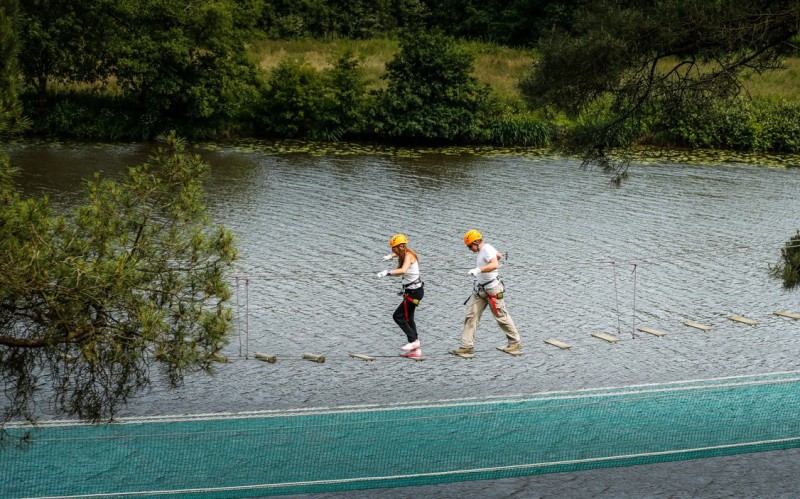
475	307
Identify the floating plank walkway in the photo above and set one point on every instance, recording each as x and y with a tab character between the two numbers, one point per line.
743	320
272	359
697	325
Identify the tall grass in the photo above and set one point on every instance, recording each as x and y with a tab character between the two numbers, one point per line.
783	84
373	54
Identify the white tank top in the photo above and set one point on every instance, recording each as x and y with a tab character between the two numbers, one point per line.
411	275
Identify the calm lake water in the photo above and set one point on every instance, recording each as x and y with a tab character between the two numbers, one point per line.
678	242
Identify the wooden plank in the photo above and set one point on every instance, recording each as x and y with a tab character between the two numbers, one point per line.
320	359
697	325
463	355
266	357
557	343
649	330
362	356
790	315
515	354
607	337
743	320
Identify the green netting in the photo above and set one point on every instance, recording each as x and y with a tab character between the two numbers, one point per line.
317	450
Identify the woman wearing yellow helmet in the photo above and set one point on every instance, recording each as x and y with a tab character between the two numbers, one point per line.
413	291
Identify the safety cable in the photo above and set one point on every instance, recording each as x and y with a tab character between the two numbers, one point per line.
560	267
633	328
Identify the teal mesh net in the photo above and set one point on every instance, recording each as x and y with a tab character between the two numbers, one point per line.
358	447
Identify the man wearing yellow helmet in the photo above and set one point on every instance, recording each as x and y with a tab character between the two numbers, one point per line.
488	291
413	291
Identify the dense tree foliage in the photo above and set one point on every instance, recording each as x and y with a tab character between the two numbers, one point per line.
89	304
511	22
302	102
508	22
180	64
64	41
627	61
186	64
348	106
133	280
431	93
10	108
340	18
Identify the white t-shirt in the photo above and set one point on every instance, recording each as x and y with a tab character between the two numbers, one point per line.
485	255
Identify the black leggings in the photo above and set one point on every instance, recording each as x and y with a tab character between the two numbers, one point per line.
408	325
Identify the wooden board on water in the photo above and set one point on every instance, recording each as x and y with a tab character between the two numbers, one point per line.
697	325
654	332
362	356
790	315
743	320
266	357
515	354
558	343
607	337
463	355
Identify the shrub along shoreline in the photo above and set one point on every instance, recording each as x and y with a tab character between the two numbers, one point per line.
422	90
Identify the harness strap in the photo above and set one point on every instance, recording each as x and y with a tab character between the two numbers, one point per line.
493	303
416	281
406	299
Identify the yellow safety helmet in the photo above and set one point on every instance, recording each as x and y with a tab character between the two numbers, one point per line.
471	236
398	239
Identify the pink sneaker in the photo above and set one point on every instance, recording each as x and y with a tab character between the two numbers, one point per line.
413	354
411	346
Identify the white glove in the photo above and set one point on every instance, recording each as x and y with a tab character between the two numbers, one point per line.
382	273
474	272
388	257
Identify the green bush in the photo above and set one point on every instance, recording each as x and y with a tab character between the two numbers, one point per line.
293	103
346	100
85	115
301	102
432	94
779	126
601	127
742	125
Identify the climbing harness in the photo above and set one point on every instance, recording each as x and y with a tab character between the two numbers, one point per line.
492	299
407	298
412	283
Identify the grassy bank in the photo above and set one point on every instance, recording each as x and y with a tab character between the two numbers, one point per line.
499	67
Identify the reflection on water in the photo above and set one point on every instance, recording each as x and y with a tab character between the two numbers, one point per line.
677	242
